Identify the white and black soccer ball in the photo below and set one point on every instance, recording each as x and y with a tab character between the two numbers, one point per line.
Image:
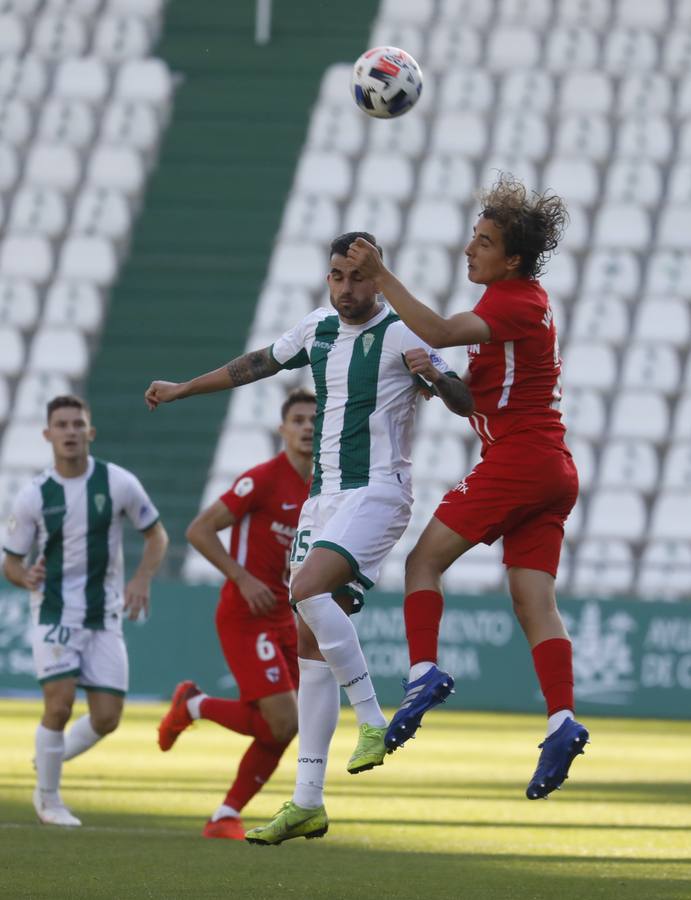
386	82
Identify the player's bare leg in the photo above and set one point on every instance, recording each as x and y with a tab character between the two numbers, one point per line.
58	698
535	605
105	712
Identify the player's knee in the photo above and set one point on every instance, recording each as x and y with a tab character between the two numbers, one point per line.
300	587
57	714
105	723
284	726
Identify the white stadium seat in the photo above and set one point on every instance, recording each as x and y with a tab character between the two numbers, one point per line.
39	210
649	16
34	391
18	303
535	13
448	177
470	90
603	568
325	173
622	227
11	351
665	320
23	8
676	53
24	447
67	122
572	179
15	121
11	483
569	48
73	304
626	50
673	227
58	37
561	274
589	365
683	107
618	514
85	9
256	405
670	517
435	221
644	93
631	463
511	48
88	259
433	418
9	167
653	366
589	91
335	84
13	34
101	212
119	168
636	181
679	189
465	11
53	166
577	233
406	135
240	448
84	79
584	413
414	12
117	39
584	457
603	320
423	269
463	133
439	458
280	308
574	524
398	34
523	134
24	77
147	9
337	128
645	137
480	569
132	124
385	175
668	273
26	257
147	80
61	350
676	473
520	167
309	216
665	570
297	264
583	135
682	418
378	215
640	414
611	272
453	44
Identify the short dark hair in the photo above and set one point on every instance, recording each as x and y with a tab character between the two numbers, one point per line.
343	241
532	224
70	400
298	395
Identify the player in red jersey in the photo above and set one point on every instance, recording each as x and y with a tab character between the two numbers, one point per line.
526	483
254	620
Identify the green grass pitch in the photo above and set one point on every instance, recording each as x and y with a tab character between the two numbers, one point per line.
445	817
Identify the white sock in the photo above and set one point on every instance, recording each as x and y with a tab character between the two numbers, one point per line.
225	812
340	647
194	705
79	738
555	721
318	708
50	746
418	670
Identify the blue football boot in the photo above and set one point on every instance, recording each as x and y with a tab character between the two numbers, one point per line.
558	752
421	695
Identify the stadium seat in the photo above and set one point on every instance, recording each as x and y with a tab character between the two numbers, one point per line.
297	264
459	133
668	273
335	84
117	39
676	53
13	34
24	8
611	272
147	9
62	350
198	570
653	366
596	12
24	77
256	405
24	447
73	304
9	167
670	518
684	141
18	303
631	463
667	320
561	275
453	45
435	221
11	351
469	90
38	210
589	91
533	13
644	93
569	48
616	514
406	135
88	259
640	414
309	216
633	181
645	137
603	568
58	37
465	11
439	458
682	418
683	106
414	12
15	121
337	128
676	473
584	414
480	569
665	570
53	166
603	320
34	391
101	212
648	16
574	523
131	124
584	457
679	187
378	215
577	233
433	418
583	136
511	48
589	365
280	308
449	177
673	228
26	257
519	167
523	134
423	269
85	79
626	50
10	484
240	448
385	175
575	180
621	227
530	90
69	122
325	174
119	168
147	80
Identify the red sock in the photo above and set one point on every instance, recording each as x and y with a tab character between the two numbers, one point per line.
553	660
237	715
422	613
256	767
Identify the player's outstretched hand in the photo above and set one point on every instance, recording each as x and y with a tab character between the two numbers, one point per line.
366	258
259	597
161	392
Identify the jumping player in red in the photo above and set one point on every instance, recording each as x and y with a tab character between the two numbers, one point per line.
254	620
526	483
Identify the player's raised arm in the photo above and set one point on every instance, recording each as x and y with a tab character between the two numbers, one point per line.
245	369
459	330
453	391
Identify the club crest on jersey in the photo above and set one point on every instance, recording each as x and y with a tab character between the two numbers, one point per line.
273	673
100	502
367	341
244	487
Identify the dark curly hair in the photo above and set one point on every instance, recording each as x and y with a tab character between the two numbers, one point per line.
532	224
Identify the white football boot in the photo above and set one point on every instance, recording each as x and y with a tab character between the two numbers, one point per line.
52	811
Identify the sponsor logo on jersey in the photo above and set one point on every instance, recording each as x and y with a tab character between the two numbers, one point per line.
355	680
322	345
289	506
285	530
273	673
99	502
367	341
54	510
244	487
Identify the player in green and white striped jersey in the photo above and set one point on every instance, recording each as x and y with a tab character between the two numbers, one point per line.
367	367
73	515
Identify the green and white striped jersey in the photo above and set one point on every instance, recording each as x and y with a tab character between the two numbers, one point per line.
366	396
77	523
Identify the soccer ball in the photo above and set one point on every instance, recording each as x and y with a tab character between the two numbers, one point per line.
386	82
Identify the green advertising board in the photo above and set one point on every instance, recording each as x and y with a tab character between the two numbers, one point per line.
630	658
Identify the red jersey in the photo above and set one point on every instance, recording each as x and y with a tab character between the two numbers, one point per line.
515	377
266	502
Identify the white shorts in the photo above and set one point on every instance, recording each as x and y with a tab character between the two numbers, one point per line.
361	524
97	659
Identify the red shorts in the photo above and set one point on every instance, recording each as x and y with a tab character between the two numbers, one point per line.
521	492
262	656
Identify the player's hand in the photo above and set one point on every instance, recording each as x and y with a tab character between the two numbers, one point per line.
366	258
419	363
258	596
161	392
137	599
35	575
